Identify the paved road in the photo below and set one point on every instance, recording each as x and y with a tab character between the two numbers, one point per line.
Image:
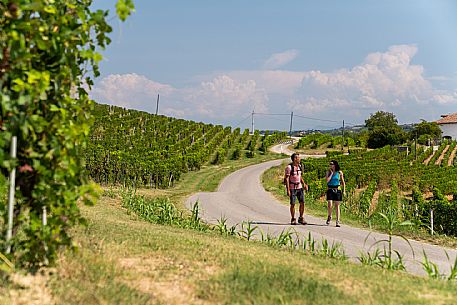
241	197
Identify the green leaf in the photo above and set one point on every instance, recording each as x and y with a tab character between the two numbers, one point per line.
124	8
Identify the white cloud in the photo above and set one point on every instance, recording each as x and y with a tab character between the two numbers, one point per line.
280	59
225	97
272	81
221	97
386	81
129	90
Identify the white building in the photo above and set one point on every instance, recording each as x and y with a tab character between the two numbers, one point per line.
448	125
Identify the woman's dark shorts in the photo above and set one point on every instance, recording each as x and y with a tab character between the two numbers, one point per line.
297	193
334	194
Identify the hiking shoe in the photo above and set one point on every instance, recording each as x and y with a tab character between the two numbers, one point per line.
293	221
338	224
328	220
302	221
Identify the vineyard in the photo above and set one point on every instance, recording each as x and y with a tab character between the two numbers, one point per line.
411	184
132	147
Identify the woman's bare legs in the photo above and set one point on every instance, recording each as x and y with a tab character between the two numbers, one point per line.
329	211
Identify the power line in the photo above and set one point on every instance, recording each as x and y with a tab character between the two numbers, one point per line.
316	119
251	115
271	113
234	126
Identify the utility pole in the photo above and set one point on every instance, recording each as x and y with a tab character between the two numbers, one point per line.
415	147
342	146
252	122
157	107
291	119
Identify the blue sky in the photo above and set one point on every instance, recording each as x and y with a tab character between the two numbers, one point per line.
217	61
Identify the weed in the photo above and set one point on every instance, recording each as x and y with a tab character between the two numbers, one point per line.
453	274
309	244
5	264
335	250
285	239
431	268
387	259
111	193
370	259
247	230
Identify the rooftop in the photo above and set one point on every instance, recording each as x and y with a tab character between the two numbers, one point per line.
448	119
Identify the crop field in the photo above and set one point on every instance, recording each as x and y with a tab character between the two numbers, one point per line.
385	179
132	147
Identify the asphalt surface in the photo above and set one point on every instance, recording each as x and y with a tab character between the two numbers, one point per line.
241	197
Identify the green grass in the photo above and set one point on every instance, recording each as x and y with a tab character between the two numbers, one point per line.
207	179
128	261
272	182
123	259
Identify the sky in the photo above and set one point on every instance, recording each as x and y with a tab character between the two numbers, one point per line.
325	61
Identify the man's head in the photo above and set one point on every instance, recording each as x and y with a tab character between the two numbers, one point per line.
295	157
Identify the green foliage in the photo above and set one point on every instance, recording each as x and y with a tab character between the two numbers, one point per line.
388	258
429	130
124	8
383	130
162	211
392	173
433	271
49	51
424	139
333	153
366	197
220	156
270	139
6	266
236	155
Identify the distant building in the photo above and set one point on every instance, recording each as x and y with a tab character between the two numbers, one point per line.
448	125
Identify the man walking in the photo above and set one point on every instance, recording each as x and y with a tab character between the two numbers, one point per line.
295	186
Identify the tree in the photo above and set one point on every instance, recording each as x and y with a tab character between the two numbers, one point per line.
427	130
48	56
383	130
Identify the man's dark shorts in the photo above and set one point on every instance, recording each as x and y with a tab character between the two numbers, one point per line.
297	194
334	194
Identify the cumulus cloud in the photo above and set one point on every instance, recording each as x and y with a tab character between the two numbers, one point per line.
130	90
280	59
382	81
226	97
386	81
221	97
272	81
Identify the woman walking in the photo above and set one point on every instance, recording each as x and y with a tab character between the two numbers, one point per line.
335	179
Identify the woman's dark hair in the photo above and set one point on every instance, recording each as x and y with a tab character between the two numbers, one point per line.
337	166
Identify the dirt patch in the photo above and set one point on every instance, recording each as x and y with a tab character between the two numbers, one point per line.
451	157
441	157
426	161
354	288
171	281
30	289
374	202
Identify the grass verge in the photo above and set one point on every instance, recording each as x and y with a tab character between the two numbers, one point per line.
124	260
207	179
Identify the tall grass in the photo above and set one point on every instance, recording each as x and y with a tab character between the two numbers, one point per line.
162	211
388	258
433	271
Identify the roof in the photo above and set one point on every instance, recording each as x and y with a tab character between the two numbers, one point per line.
448	119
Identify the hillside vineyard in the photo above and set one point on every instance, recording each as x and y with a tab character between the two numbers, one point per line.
411	188
130	147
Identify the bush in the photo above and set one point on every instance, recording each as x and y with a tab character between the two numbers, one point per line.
47	49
